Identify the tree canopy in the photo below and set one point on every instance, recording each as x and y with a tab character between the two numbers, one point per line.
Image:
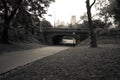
34	7
24	11
109	9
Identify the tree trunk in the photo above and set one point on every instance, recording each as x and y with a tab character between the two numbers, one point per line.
7	19
41	34
4	38
93	40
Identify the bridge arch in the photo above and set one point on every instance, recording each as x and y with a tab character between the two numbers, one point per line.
54	36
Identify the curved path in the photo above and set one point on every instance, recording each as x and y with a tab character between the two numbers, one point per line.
12	60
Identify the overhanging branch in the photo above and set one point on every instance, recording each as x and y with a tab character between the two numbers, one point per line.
92	3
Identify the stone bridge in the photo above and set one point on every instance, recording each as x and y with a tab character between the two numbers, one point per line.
55	35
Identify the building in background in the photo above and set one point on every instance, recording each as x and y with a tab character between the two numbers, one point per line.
60	24
73	21
57	23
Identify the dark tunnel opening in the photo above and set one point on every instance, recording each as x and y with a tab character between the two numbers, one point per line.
66	40
57	40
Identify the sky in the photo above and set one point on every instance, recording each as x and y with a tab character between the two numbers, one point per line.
62	10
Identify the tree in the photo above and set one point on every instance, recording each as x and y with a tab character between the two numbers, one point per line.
9	9
97	23
109	9
21	26
45	24
84	17
93	40
7	13
114	11
83	25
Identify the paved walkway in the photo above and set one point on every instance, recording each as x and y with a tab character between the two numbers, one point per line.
12	60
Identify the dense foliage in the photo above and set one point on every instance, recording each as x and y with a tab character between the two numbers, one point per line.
109	9
21	15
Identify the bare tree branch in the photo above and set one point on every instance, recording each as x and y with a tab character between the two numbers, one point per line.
92	3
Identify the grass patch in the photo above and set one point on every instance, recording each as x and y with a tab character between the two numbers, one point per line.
79	63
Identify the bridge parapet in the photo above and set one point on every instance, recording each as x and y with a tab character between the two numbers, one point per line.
64	30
